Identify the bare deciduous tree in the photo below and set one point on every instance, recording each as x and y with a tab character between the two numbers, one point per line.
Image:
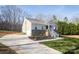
12	17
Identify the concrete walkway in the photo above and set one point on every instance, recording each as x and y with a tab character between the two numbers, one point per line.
24	45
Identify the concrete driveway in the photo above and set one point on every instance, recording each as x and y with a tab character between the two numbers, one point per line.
23	45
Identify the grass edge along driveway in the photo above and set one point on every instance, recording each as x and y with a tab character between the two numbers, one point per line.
66	45
6	50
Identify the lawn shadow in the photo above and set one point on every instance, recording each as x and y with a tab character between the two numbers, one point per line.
6	50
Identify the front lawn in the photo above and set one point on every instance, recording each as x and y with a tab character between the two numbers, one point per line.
6	50
66	45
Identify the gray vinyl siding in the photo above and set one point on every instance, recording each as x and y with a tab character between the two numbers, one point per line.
39	26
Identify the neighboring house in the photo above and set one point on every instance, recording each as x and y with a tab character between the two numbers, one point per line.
34	27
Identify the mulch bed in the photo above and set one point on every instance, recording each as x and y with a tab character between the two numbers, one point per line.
71	36
2	33
36	38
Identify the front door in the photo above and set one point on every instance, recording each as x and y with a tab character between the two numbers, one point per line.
46	27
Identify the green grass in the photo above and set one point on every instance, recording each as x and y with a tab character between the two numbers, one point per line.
66	45
6	50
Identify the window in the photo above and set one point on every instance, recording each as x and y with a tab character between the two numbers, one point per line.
35	28
50	26
46	27
42	27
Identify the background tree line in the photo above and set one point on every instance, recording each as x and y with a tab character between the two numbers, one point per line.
68	28
11	18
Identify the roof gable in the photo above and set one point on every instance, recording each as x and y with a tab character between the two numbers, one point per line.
37	21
